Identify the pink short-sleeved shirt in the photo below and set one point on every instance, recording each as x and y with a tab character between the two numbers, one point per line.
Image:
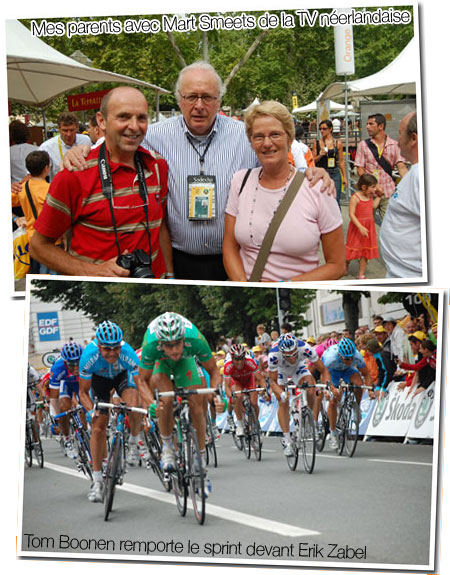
295	249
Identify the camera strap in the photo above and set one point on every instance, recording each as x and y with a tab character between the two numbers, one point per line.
108	191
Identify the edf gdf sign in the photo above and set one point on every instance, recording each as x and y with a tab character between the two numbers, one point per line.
48	326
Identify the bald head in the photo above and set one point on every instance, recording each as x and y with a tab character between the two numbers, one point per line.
408	139
123	117
122	93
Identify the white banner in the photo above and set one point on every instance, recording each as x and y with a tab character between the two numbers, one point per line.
396	412
343	47
422	426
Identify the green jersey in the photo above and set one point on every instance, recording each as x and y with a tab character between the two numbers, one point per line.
195	344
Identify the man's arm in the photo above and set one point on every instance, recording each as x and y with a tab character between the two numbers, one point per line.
143	384
324	373
402	169
43	249
367	377
85	386
166	247
75	158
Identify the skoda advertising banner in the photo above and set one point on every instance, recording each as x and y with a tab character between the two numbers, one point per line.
399	414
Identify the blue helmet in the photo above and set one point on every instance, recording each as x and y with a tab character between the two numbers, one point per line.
71	352
287	343
346	348
109	334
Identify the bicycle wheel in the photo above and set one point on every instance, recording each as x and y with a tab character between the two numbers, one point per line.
154	449
28	447
238	441
112	472
84	456
196	474
351	429
180	490
255	433
324	428
211	452
247	438
292	460
308	440
341	424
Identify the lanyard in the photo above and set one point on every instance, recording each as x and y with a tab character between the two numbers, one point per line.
108	190
201	156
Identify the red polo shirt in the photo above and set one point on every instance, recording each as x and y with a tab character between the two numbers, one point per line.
75	201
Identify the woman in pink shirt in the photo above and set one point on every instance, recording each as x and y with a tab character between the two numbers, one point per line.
312	218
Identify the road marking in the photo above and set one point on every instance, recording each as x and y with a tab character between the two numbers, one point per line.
401	462
215	510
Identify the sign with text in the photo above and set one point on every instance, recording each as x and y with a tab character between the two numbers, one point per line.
89	101
48	326
395	413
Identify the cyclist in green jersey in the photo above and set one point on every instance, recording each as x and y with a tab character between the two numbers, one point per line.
170	345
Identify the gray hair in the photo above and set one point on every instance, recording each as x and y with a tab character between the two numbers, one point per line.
200	65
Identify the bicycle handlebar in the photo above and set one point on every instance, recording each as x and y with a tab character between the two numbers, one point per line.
183	392
102	405
68	412
239	392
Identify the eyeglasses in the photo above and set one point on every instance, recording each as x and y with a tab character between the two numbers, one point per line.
273	137
191	99
110	348
72	365
324	128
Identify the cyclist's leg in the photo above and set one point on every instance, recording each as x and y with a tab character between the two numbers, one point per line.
101	388
356	379
333	405
186	374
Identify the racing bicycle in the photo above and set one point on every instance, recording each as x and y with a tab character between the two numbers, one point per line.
81	440
251	440
189	475
116	465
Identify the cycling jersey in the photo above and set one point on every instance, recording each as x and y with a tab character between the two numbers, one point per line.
244	376
337	368
296	371
185	370
62	379
92	362
195	344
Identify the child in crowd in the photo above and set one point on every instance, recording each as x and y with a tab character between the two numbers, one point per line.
361	235
31	197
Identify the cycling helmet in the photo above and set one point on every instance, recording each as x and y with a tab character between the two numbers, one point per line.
71	352
346	348
169	327
287	343
329	342
237	351
109	334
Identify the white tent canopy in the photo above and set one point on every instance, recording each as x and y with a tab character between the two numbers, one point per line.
398	77
37	73
312	107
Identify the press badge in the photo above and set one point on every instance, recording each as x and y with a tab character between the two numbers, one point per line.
202	197
331	163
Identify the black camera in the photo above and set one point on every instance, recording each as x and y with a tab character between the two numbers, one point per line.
139	263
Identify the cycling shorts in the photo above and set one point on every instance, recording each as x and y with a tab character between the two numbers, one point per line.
67	388
301	372
185	371
249	383
337	374
102	387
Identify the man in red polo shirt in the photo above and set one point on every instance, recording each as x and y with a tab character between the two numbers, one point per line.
102	228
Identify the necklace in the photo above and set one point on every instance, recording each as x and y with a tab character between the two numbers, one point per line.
253	204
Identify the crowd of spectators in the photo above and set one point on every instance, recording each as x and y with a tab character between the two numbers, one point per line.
198	141
402	350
